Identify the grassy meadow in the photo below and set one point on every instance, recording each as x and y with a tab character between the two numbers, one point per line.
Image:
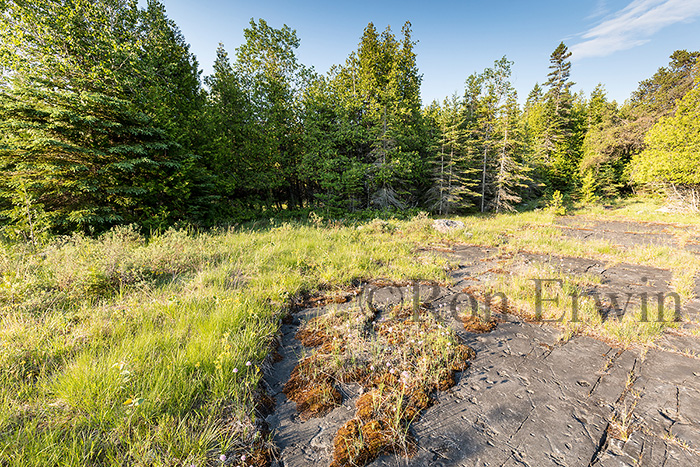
125	351
138	350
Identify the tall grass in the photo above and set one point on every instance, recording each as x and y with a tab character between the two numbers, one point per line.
123	350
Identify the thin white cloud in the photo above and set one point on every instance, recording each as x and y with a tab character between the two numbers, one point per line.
601	9
633	26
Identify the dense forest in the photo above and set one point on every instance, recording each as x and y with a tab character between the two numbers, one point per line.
106	119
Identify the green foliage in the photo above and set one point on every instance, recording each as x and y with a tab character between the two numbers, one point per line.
616	136
589	186
147	351
557	204
454	165
602	167
104	121
561	133
72	117
28	221
495	136
672	154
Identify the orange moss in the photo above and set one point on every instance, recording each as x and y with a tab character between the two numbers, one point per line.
314	395
260	457
396	394
463	353
358	443
366	406
477	325
445	379
419	398
312	337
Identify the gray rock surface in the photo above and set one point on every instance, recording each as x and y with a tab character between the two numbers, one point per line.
445	225
531	398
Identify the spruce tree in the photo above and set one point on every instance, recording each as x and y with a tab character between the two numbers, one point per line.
453	171
561	150
71	132
511	174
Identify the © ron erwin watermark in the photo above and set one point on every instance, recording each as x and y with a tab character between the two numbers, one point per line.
608	305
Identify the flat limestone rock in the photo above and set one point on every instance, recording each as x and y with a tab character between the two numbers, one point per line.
445	225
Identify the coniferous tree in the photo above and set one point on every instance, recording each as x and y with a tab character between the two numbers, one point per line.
601	171
512	174
273	81
72	134
534	119
380	121
230	132
559	143
453	171
495	134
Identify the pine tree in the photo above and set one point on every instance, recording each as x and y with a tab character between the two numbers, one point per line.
559	142
453	169
72	135
559	93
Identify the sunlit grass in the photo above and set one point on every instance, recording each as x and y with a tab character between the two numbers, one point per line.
565	301
147	351
643	209
121	349
536	232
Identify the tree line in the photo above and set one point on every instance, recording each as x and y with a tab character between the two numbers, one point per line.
106	119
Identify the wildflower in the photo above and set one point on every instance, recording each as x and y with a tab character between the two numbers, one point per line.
392	371
235	370
243	458
196	365
371	367
388	364
405	375
248	363
222	458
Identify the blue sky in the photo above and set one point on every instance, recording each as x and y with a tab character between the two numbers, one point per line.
614	42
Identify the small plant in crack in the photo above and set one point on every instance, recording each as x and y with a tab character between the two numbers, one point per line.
623	424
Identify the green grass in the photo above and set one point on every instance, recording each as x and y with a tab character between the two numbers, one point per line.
122	351
536	232
564	302
126	350
643	209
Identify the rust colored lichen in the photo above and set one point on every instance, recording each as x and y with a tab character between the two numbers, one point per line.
314	394
477	325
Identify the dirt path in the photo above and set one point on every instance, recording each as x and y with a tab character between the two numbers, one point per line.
531	398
